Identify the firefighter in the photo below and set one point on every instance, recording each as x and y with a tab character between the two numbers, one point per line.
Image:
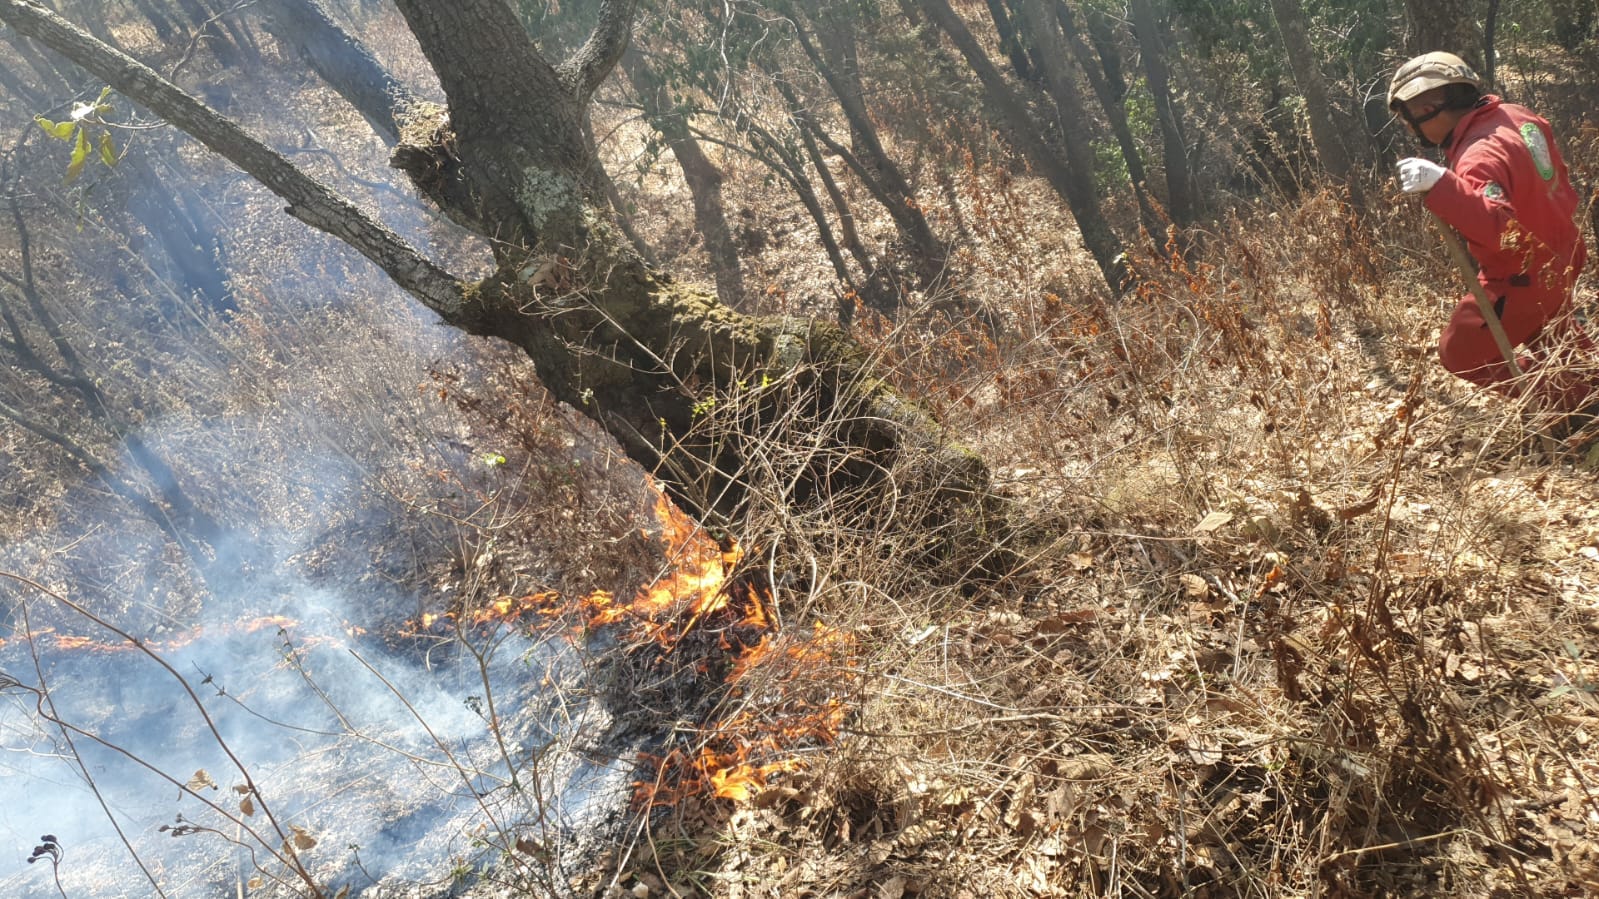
1505	189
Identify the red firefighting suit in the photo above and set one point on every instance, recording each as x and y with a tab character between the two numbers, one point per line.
1508	194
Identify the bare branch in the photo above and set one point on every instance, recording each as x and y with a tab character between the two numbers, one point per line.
593	61
310	201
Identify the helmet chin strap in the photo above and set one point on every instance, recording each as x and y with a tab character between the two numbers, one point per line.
1415	123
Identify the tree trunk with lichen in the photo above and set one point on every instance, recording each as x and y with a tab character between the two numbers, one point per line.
649	358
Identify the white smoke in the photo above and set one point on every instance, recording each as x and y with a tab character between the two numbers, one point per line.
381	753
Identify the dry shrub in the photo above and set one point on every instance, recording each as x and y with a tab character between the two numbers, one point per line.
1303	614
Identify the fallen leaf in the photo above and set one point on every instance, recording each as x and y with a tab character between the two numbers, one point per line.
1212	521
1351	512
1059	624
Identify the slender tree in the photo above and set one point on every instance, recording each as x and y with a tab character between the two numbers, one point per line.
1112	100
1302	59
1174	144
703	178
1073	182
832	50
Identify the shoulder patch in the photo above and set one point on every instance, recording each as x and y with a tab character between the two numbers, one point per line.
1493	191
1538	146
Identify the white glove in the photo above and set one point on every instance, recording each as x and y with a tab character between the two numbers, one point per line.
1417	176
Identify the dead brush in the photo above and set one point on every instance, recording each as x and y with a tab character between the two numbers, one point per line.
1259	662
853	569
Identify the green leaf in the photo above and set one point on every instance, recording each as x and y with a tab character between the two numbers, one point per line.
108	150
80	155
57	130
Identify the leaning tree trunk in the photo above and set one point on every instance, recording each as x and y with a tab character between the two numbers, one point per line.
837	62
1045	38
344	63
1115	108
809	131
1009	44
635	350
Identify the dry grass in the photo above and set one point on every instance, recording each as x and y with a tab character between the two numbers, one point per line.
1303	615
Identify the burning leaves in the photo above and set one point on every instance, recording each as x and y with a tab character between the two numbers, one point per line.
706	614
50	638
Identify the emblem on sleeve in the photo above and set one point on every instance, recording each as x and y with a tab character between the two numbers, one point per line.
1538	146
1493	191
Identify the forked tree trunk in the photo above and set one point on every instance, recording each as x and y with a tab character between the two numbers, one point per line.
1174	146
1075	183
1043	34
1115	109
809	131
635	350
837	62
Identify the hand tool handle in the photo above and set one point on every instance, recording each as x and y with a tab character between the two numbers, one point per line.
1484	302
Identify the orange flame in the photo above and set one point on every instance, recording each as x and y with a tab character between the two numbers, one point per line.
53	639
736	756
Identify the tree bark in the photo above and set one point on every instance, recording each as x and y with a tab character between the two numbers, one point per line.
1074	183
635	350
1490	39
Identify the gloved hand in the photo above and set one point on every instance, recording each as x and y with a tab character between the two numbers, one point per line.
1417	176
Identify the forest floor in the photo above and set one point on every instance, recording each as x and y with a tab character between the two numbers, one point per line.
1301	613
